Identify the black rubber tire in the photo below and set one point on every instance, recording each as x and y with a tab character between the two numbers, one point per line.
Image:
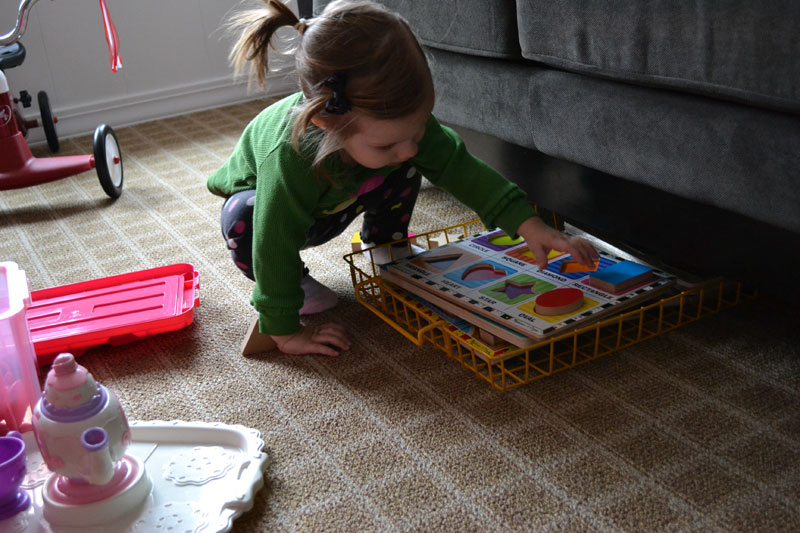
106	148
48	123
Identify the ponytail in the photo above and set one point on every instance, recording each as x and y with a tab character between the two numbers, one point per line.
257	27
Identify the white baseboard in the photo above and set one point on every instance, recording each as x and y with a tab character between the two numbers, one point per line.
163	103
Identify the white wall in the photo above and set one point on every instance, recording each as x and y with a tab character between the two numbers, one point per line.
174	57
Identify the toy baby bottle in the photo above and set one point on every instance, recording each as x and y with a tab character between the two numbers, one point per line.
82	433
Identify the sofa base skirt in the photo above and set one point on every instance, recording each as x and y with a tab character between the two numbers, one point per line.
684	235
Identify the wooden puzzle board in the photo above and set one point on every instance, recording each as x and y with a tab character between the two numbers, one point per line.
493	282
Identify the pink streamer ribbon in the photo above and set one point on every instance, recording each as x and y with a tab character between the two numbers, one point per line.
112	37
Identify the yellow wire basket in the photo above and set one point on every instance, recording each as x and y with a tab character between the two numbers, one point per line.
512	367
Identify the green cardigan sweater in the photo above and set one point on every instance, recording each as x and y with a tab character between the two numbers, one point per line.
289	198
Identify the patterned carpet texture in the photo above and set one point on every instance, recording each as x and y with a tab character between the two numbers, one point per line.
696	430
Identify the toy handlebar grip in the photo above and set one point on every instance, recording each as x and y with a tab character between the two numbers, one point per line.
22	23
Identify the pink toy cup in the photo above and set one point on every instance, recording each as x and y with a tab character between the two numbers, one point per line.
12	471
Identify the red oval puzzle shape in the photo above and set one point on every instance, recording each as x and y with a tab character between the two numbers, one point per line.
559	301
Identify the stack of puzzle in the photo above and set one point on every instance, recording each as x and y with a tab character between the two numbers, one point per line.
489	287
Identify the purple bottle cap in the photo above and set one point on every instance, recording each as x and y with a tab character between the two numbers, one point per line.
74	414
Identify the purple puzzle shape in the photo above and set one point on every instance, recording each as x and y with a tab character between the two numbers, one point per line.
486	241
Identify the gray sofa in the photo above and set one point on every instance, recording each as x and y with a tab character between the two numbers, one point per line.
672	128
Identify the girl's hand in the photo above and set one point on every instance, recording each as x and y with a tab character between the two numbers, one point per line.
541	238
322	339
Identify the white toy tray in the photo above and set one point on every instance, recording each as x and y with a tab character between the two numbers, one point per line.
204	476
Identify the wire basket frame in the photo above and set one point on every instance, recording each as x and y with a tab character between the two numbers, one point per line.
518	366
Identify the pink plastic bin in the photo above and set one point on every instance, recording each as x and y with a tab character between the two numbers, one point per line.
19	379
113	310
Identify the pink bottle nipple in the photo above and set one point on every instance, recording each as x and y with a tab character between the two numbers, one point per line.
68	384
65	364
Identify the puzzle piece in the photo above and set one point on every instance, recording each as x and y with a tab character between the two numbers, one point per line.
505	240
513	290
524	254
570	266
620	276
559	301
482	271
443	262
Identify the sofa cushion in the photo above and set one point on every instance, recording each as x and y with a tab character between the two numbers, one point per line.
743	51
736	157
475	27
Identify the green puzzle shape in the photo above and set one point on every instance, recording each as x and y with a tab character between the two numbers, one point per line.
504	240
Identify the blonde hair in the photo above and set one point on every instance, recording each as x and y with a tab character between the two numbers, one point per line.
375	52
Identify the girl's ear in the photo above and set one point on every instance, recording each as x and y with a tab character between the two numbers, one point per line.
321	122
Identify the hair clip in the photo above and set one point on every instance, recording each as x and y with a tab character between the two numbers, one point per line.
337	104
301	25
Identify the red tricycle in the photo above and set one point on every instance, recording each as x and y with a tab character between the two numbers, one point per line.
18	167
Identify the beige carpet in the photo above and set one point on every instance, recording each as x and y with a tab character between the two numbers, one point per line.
697	430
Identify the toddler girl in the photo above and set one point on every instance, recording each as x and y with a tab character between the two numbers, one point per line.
356	140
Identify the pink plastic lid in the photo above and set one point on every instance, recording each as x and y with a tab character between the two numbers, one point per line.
114	310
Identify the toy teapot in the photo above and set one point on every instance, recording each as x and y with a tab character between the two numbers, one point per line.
82	433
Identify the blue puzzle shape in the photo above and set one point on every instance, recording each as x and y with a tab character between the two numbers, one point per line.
621	272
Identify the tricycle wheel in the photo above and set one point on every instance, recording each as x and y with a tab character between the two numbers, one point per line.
48	123
108	160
